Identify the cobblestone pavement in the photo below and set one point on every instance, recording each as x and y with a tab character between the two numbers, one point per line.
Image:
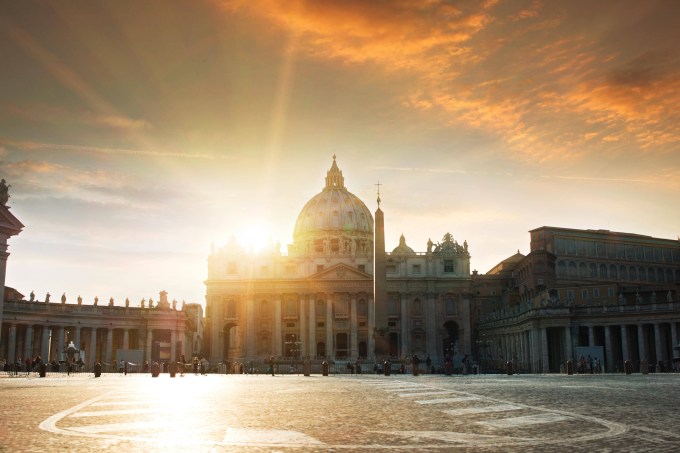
341	413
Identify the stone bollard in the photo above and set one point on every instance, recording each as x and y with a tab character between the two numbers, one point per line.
627	367
97	369
387	367
324	368
644	367
307	367
508	366
570	367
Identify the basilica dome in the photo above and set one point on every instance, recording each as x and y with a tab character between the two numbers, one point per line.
335	221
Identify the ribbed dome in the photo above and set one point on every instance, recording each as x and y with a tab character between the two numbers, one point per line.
402	248
333	214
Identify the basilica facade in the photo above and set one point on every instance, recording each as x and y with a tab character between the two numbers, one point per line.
324	297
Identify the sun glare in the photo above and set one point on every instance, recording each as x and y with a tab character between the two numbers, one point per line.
254	238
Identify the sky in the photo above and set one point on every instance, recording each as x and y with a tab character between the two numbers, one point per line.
135	134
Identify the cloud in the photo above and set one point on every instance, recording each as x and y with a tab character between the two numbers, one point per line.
120	122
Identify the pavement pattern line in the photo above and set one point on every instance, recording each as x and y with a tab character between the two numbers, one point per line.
516	422
481	410
612	428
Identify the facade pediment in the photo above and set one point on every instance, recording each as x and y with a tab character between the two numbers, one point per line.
341	272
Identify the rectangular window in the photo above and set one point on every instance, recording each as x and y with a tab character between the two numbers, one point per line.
362	267
416	268
391	269
584	294
570	294
290	269
596	293
231	268
448	266
610	292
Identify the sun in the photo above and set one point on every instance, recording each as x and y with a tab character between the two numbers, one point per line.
254	238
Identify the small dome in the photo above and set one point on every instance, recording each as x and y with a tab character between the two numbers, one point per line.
334	213
402	248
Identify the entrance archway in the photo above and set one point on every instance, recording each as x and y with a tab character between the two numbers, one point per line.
341	345
450	342
230	343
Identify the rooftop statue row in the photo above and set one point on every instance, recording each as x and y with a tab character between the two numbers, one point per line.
448	246
162	303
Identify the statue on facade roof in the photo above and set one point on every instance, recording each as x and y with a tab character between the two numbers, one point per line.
150	302
111	302
96	300
141	304
80	300
669	297
127	302
4	192
47	297
429	245
63	298
32	297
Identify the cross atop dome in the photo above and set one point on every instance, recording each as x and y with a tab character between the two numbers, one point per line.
334	178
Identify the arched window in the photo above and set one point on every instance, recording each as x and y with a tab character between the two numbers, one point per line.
623	272
593	270
632	273
669	276
561	269
603	271
660	275
572	269
643	274
231	309
264	309
417	309
362	308
582	270
612	272
320	309
651	275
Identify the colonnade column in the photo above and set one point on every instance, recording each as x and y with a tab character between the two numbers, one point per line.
657	343
312	325
173	345
535	349
303	327
92	354
109	345
371	328
60	342
277	327
353	340
126	338
12	343
28	342
608	350
624	342
330	351
642	342
568	344
591	336
403	318
149	341
250	327
77	340
674	339
45	345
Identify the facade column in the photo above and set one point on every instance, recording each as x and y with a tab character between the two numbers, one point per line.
28	342
591	336
535	349
173	345
545	358
608	350
312	325
567	341
277	328
353	340
77	340
303	326
624	343
126	338
250	327
12	344
149	343
431	325
92	353
109	345
330	350
674	339
371	329
642	342
403	322
657	344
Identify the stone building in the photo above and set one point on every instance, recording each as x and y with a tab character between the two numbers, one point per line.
583	289
320	299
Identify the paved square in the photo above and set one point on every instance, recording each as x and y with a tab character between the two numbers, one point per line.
290	412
